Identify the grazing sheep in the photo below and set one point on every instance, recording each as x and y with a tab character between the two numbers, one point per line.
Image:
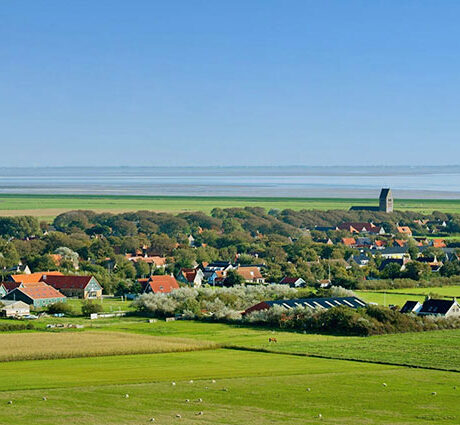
152	419
455	388
10	402
384	384
187	400
44	399
320	416
178	416
308	389
213	381
191	381
126	395
434	393
173	384
200	400
199	413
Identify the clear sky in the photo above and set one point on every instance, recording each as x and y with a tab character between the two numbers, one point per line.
214	82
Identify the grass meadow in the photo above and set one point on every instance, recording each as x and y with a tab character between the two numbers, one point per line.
48	206
256	388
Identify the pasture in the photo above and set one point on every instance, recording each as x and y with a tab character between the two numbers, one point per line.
256	388
48	206
444	291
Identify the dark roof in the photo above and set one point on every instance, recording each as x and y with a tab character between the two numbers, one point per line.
398	261
364	208
384	193
433	306
409	306
67	282
315	303
289	280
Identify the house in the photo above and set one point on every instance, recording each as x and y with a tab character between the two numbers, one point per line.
192	277
433	262
13	308
349	242
385	203
362	228
293	282
324	283
250	274
163	284
392	252
154	261
3	290
437	243
37	294
311	303
400	242
19	268
405	230
361	260
86	287
401	262
411	307
444	308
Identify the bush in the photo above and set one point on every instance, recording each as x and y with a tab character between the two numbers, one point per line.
60	307
89	307
13	327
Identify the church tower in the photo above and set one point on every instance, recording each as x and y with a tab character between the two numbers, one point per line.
386	201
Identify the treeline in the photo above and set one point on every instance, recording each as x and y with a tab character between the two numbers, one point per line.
97	243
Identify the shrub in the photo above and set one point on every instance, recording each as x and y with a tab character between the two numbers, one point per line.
89	307
60	307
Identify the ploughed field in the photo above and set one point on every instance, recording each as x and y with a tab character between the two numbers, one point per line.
220	384
49	206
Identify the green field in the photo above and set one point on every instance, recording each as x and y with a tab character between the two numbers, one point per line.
388	297
445	291
48	206
251	386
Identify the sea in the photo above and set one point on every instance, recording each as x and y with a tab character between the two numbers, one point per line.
432	182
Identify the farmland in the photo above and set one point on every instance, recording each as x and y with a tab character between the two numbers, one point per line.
267	387
48	206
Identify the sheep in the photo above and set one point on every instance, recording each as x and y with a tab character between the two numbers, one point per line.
200	400
126	395
213	381
308	389
10	402
384	384
44	398
187	400
320	416
191	381
200	413
434	393
173	384
178	416
152	419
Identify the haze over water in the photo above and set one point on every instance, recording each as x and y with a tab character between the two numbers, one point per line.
294	181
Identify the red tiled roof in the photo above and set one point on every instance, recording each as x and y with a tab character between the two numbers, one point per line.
40	291
348	241
33	277
66	282
162	284
249	273
439	243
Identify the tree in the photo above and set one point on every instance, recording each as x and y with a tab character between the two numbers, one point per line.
233	278
60	308
142	268
415	270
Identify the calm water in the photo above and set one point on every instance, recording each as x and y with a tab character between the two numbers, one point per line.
407	182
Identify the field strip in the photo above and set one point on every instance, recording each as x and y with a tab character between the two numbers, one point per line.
348	359
61	345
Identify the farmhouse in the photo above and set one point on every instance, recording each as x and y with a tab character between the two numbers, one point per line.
160	284
312	303
75	286
411	307
250	274
190	276
293	282
13	308
37	294
31	277
445	308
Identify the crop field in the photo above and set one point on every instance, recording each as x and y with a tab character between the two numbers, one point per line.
54	345
48	206
249	387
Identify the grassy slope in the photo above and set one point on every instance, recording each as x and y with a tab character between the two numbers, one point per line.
445	291
261	389
48	206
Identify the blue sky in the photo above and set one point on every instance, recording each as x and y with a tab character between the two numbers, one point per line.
229	82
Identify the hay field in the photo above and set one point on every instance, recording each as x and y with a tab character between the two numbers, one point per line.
55	345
